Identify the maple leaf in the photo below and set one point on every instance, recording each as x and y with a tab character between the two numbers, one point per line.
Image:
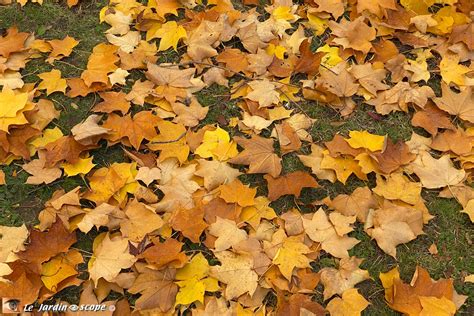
167	253
157	289
351	303
436	173
366	140
291	255
136	129
235	270
111	255
170	141
291	183
237	192
11	242
177	184
398	187
40	173
60	268
217	144
13	41
216	173
10	106
394	156
83	166
194	281
342	166
410	298
227	233
170	34
460	104
89	131
357	203
113	101
101	62
61	48
348	274
189	222
141	220
113	182
314	162
255	213
355	34
298	304
45	245
259	155
394	225
331	232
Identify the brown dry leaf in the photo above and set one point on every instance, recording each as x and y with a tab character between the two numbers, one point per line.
40	173
113	101
189	222
336	281
331	232
65	148
141	220
171	141
101	62
88	132
456	141
351	303
237	192
12	42
189	115
216	173
398	187
291	183
157	289
61	48
136	129
393	157
234	59
167	253
393	225
407	298
314	162
227	233
45	245
259	155
298	305
460	104
237	272
436	173
358	203
308	62
111	255
432	119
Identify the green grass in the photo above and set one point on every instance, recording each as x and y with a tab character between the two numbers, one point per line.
20	203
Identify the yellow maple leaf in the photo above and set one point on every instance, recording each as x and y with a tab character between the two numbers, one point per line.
217	144
331	58
194	281
351	304
366	140
171	141
398	187
170	33
343	166
11	103
291	255
452	71
60	268
52	82
276	50
82	166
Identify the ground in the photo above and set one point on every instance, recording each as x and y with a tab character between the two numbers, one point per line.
449	230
